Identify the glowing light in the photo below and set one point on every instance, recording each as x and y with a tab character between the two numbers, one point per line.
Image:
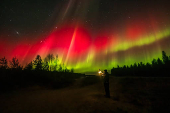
71	45
77	48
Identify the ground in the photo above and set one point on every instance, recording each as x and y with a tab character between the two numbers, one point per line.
86	95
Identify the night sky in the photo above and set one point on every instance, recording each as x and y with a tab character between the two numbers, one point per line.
86	34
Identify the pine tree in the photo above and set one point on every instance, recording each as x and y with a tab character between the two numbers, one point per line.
3	63
38	63
14	63
29	66
164	57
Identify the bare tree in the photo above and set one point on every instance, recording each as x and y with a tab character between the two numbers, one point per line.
49	58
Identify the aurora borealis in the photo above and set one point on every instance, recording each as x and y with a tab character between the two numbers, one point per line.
87	35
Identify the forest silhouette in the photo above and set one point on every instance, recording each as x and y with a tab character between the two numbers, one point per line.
49	73
157	68
50	63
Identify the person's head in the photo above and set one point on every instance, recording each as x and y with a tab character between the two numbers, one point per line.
105	71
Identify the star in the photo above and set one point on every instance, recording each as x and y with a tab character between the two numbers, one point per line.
17	32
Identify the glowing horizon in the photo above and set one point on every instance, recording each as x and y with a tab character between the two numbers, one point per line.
77	50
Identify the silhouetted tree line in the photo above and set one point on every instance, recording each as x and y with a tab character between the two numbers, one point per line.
47	72
50	63
158	68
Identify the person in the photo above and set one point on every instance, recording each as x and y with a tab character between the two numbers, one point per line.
106	83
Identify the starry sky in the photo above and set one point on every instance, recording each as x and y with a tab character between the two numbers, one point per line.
86	34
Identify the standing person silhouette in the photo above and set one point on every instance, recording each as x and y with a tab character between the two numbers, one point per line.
106	83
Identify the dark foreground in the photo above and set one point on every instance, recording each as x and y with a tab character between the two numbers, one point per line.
86	95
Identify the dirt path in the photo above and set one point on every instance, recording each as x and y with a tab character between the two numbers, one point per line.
77	99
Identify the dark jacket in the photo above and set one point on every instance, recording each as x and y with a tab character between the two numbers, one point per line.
106	77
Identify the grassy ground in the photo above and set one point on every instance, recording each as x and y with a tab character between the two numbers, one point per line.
128	95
